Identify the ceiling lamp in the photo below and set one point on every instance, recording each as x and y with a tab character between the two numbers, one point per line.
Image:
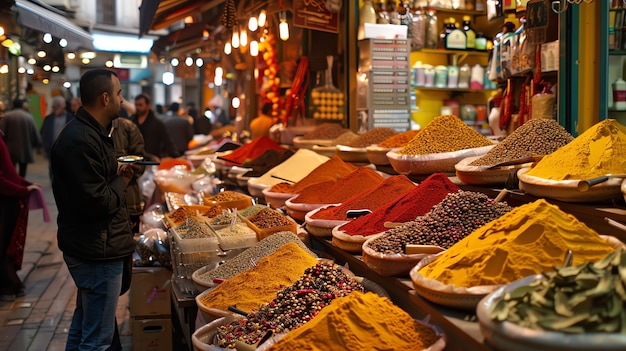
228	48
47	38
67	85
47	68
253	24
55	69
283	27
168	75
62	42
70	56
31	61
21	70
254	48
199	62
108	64
174	61
205	34
41	53
235	39
189	61
262	18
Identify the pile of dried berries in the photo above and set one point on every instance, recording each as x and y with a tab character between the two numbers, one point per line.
451	220
292	307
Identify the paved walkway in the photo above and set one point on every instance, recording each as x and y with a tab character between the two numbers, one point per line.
40	320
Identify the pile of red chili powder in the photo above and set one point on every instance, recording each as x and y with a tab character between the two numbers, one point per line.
332	192
251	151
389	190
330	170
414	203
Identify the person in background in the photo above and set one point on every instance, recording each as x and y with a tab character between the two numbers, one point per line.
262	123
219	118
128	140
52	125
157	142
179	127
21	135
36	104
202	124
75	104
14	193
89	188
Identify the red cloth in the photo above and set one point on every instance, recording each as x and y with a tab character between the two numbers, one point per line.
15	251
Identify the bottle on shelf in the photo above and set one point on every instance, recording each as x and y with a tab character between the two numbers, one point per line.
419	30
481	42
392	12
367	14
464	76
432	29
470	34
443	35
382	17
456	38
619	94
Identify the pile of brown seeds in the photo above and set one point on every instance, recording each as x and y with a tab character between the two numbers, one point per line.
451	220
535	137
325	131
446	133
371	137
293	306
193	229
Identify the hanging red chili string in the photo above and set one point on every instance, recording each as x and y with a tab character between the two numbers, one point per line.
298	88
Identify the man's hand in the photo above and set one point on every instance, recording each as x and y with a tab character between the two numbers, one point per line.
126	171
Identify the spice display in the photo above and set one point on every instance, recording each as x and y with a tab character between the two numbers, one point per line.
372	136
266	161
243	261
252	210
226	217
294	168
588	298
332	169
325	131
356	322
600	150
446	133
531	239
444	225
292	306
259	284
345	138
227	195
389	190
400	139
535	137
269	218
406	208
180	215
193	229
236	230
250	151
360	180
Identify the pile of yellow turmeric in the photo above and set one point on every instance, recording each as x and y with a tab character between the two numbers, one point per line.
598	151
357	322
258	285
531	239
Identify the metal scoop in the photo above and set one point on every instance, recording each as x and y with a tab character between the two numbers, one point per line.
585	185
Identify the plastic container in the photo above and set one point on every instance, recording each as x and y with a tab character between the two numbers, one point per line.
241	236
619	94
262	233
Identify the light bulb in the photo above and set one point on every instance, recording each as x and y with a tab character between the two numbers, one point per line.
70	56
199	62
189	61
32	61
41	53
168	78
62	42
254	48
47	38
243	38
55	69
67	85
262	18
47	68
174	62
21	70
228	48
217	81
205	34
219	71
235	40
236	102
108	64
253	24
283	29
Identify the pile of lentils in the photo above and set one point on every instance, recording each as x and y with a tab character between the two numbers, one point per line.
292	307
243	261
535	137
325	131
446	133
227	195
458	215
193	229
371	137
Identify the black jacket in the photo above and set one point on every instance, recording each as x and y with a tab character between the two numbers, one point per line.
93	220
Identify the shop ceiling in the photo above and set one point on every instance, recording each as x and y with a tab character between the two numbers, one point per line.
160	14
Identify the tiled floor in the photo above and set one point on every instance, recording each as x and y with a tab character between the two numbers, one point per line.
40	320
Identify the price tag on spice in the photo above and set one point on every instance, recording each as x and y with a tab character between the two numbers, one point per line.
537	20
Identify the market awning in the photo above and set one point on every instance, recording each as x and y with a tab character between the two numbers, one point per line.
39	18
159	14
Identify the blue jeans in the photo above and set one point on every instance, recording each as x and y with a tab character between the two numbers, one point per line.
99	284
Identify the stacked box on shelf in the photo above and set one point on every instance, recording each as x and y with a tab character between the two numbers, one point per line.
385	94
193	246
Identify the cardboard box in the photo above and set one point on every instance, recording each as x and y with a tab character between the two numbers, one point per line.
152	334
150	292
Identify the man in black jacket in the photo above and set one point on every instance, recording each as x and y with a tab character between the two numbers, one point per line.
93	227
157	141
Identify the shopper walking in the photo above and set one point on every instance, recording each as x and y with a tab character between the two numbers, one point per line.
75	104
157	141
14	192
21	135
179	127
93	227
52	125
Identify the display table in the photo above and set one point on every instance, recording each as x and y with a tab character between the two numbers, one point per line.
184	305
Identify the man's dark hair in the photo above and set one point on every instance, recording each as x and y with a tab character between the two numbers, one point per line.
95	82
143	96
266	109
18	103
174	107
